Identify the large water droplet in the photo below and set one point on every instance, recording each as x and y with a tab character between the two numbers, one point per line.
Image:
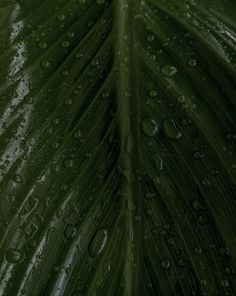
149	127
98	242
168	70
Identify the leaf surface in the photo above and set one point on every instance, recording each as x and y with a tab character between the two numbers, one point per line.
117	147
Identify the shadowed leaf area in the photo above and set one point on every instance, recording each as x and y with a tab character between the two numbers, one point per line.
117	148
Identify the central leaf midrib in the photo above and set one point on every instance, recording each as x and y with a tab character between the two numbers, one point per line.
126	114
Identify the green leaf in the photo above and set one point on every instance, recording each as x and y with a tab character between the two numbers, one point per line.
117	147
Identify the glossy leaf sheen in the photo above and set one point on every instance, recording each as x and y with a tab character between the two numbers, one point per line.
117	147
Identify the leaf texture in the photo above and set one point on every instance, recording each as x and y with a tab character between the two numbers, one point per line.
117	147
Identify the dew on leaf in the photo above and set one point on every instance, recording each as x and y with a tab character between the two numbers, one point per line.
68	102
198	154
149	127
61	17
171	130
55	168
150	38
168	70
45	64
224	283
70	232
152	93
100	2
42	45
13	255
165	263
192	63
98	242
196	205
68	163
150	195
130	205
158	162
17	178
65	44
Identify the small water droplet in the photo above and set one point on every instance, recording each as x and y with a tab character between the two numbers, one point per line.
198	155
42	45
68	163
150	195
65	44
61	17
17	178
70	232
149	127
165	264
168	70
68	102
192	63
130	205
158	162
196	205
171	130
98	242
45	64
100	2
13	255
152	93
150	38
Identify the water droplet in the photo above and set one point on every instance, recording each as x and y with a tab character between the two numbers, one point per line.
158	162
45	64
130	205
224	283
192	63
98	242
150	38
196	205
181	262
68	163
17	179
181	99
77	134
186	121
165	264
152	93
70	232
61	17
70	34
55	168
168	70
198	155
150	195
68	102
42	45
100	2
224	251
11	198
13	255
170	129
149	127
65	44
